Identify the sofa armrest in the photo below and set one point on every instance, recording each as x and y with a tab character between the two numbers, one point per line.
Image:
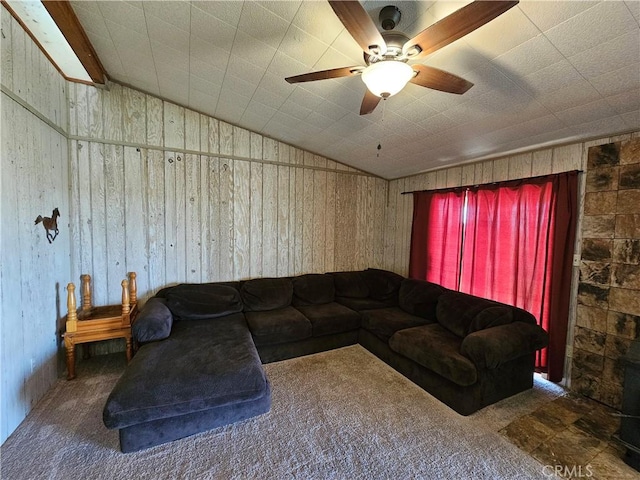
154	321
492	347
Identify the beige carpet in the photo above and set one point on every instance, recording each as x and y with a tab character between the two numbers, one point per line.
341	414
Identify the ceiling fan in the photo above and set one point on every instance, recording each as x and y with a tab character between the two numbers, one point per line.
386	53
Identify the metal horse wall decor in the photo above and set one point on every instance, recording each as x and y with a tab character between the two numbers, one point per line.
50	224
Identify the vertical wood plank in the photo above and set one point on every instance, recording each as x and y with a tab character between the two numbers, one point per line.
75	218
193	243
299	206
116	264
370	221
170	218
112	112
19	60
441	179
84	208
214	135
360	219
241	142
319	221
307	212
226	218
284	153
95	116
181	245
134	115
454	177
270	220
215	234
154	121
500	169
330	221
399	229
98	223
242	218
82	111
270	149
204	133
292	217
205	202
173	125
520	166
6	50
255	208
136	216
283	221
225	138
566	158
487	171
541	162
389	233
468	175
155	241
192	130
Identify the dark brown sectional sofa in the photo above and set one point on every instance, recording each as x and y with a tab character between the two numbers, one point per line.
202	346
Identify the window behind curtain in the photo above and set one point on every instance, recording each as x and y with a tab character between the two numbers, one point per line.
500	241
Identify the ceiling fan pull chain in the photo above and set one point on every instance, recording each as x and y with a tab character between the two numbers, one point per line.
384	108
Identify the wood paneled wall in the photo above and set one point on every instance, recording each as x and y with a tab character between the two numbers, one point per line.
178	196
33	181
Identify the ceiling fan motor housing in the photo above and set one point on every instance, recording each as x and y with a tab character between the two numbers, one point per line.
389	17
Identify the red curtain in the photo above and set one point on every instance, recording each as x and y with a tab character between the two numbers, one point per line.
514	244
435	237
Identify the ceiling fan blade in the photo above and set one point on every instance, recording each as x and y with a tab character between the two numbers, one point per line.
369	103
359	24
439	80
325	74
456	25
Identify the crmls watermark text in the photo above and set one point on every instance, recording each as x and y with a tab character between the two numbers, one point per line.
570	471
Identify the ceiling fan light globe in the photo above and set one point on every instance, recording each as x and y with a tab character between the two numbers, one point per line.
385	79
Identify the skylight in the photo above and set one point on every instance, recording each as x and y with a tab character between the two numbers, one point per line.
36	18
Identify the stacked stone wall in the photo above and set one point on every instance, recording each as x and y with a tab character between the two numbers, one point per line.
608	312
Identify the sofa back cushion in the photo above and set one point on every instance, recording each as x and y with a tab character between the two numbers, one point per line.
383	285
350	284
162	293
202	301
462	314
313	289
262	294
419	297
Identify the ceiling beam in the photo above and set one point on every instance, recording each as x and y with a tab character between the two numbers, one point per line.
70	26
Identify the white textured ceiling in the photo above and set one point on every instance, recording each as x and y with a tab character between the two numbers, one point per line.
544	72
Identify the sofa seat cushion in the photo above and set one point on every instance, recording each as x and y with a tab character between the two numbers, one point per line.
435	348
360	304
383	323
262	294
278	326
203	364
313	289
330	318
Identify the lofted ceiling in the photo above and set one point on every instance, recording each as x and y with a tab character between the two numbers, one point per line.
543	72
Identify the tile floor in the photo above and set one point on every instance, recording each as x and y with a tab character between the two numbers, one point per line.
573	436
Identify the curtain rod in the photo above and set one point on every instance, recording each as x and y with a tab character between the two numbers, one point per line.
453	189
